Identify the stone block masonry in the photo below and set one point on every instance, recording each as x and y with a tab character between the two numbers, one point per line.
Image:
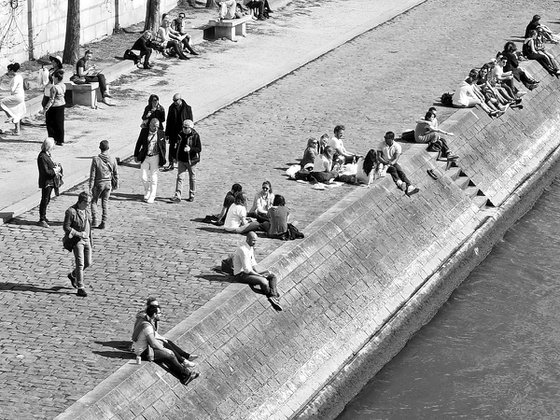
361	280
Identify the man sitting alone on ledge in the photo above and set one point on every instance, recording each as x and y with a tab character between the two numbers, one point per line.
426	131
389	155
245	271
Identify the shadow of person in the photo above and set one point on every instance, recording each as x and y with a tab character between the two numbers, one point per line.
116	354
222	278
16	287
119	345
119	196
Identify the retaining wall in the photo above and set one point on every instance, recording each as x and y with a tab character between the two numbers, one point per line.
369	273
48	23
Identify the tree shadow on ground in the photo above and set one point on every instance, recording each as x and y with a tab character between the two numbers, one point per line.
16	287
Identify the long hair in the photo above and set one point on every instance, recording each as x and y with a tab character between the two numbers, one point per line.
370	161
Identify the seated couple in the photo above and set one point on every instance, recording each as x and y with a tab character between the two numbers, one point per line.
427	131
276	225
232	9
148	344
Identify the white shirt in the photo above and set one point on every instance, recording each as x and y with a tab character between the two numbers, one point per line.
338	145
243	259
389	152
463	93
235	216
141	343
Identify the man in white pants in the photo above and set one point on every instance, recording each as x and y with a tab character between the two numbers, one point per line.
150	151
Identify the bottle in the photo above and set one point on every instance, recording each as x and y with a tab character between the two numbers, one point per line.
138	360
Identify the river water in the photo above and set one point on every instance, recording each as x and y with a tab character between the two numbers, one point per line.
492	351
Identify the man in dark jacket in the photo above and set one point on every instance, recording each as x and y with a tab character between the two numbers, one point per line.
103	177
150	151
179	111
188	155
77	238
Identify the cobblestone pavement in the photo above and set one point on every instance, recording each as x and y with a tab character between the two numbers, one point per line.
56	347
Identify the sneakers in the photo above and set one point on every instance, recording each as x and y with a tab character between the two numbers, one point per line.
190	199
275	302
107	95
73	280
410	190
176	199
188	364
43	223
193	357
81	293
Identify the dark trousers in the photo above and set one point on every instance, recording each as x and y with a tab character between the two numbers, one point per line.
147	53
180	354
45	200
177	47
397	173
170	361
54	119
266	283
102	82
172	149
521	76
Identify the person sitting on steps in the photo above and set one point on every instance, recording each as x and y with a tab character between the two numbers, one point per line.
236	220
389	154
178	31
426	132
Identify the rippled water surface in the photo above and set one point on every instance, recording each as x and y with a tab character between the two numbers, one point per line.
493	350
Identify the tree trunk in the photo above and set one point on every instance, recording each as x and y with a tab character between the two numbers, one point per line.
151	23
211	4
72	40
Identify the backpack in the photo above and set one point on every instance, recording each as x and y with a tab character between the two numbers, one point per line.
447	99
227	265
129	55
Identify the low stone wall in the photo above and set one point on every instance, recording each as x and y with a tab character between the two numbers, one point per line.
48	22
369	273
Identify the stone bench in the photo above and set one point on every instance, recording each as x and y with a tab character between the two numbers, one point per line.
82	94
231	28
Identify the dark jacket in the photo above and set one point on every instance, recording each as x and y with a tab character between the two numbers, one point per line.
193	140
175	117
141	149
142	44
74	223
159	113
46	170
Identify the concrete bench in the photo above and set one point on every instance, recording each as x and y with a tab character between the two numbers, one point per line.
230	29
82	94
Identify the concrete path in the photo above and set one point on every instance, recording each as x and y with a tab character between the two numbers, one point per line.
224	73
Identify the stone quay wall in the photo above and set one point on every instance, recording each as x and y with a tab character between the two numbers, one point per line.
44	22
371	271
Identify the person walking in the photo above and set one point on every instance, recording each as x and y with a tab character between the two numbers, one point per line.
188	156
77	238
150	151
54	109
178	112
14	104
48	171
103	178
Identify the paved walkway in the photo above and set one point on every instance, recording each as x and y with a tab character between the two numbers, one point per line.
55	347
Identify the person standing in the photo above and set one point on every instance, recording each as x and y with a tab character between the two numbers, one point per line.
188	156
48	171
77	238
153	110
103	178
91	74
54	109
150	151
56	64
14	104
179	111
245	271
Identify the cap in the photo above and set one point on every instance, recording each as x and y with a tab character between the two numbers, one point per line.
56	58
188	123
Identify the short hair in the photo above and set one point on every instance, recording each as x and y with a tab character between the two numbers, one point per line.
14	67
104	145
59	74
338	128
83	196
188	123
236	188
150	301
152	310
536	17
239	198
429	115
47	145
432	109
88	52
163	16
278	200
153	118
181	14
389	135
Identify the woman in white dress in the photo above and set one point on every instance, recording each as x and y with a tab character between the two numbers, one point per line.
14	105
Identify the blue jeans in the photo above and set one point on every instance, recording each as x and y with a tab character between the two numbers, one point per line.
101	190
83	258
266	283
183	167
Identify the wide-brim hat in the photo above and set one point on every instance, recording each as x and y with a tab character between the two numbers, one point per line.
56	58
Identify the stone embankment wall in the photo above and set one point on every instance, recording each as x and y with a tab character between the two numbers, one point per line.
370	272
47	21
